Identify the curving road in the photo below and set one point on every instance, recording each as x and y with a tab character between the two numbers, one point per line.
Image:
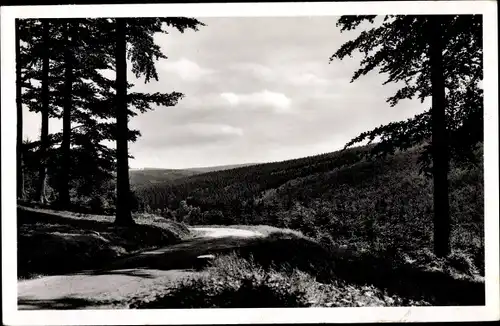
225	232
130	277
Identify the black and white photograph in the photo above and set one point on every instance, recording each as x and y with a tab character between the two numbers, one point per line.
181	159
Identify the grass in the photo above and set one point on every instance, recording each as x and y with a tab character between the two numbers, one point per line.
234	282
453	280
52	242
284	269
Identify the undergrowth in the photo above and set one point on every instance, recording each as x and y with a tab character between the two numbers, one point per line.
234	282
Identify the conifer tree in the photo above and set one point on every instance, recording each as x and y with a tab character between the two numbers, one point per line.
123	214
86	100
432	56
143	52
69	34
76	157
27	35
19	108
44	133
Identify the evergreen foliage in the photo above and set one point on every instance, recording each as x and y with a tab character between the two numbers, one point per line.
438	56
61	61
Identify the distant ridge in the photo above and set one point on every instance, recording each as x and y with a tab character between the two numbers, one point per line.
202	169
220	167
143	176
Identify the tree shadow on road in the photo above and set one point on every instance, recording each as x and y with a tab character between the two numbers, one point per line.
66	303
135	272
278	250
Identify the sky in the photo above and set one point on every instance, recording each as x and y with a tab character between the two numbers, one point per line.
256	90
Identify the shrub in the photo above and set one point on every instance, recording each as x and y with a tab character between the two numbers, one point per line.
213	217
233	282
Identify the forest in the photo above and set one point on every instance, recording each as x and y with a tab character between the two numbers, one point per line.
339	198
413	187
59	64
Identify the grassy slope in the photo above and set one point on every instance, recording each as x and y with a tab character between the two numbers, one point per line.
52	242
234	282
288	270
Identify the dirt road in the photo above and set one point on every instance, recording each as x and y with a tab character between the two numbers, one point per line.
130	277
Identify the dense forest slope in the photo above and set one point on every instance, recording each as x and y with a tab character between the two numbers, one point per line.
339	198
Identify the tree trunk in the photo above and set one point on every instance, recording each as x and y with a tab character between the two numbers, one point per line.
44	135
19	106
439	141
123	215
64	199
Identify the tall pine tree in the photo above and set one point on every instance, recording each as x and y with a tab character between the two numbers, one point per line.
143	52
432	56
123	214
87	101
19	108
44	132
69	33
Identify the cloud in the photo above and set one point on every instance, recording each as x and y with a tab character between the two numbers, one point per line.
255	69
305	74
278	101
191	135
268	96
232	98
186	69
207	130
308	79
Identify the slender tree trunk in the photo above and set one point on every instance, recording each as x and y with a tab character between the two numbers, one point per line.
64	199
439	141
19	106
123	215
44	135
